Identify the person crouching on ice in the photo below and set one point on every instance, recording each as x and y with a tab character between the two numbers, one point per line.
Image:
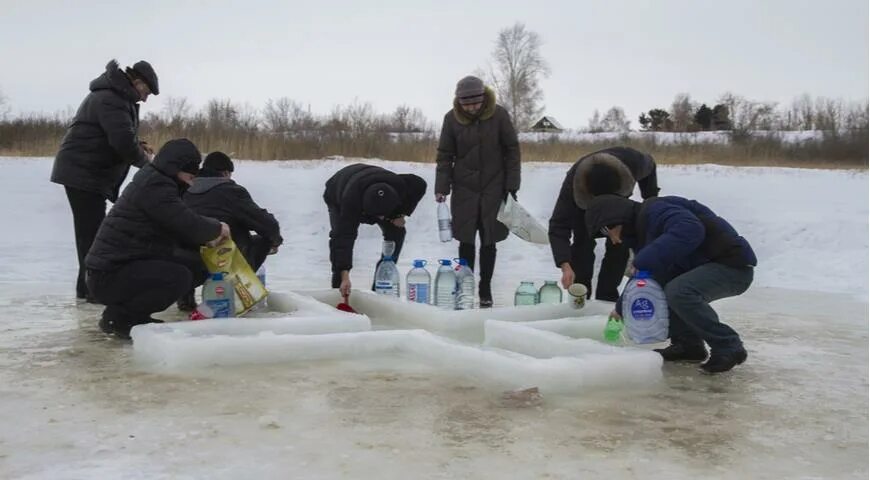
131	266
361	193
696	256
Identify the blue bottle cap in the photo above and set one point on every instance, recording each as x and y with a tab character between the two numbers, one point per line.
642	274
419	263
461	261
445	262
217	276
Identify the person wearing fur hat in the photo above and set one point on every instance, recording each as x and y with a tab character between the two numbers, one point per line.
696	255
478	165
361	193
99	146
610	171
132	266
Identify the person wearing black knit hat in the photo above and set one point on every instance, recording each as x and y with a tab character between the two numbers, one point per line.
697	257
98	149
361	193
610	171
214	194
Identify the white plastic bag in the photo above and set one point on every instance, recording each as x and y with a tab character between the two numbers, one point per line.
521	223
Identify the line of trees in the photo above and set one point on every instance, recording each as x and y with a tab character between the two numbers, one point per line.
741	115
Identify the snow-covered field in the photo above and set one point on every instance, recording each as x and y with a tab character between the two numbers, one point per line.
75	404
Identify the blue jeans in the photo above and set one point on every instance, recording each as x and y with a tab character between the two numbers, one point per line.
692	319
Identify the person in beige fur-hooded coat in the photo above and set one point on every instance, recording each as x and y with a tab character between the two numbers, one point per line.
613	170
478	166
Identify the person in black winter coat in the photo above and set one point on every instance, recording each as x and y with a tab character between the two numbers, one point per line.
131	266
98	149
697	256
214	194
610	171
361	193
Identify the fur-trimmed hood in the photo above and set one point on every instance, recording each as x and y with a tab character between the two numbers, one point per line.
115	79
486	111
619	176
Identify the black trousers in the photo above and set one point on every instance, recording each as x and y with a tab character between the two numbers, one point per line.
256	251
583	263
391	233
487	263
136	290
89	210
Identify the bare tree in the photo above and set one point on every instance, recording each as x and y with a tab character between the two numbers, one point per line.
614	121
175	110
518	68
5	108
682	112
594	125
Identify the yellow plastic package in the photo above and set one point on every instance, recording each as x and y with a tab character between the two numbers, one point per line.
227	258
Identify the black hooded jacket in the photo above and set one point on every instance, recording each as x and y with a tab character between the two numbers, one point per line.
221	198
567	217
102	141
150	220
344	198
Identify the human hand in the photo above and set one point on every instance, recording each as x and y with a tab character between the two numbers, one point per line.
222	237
146	147
274	249
399	221
440	197
630	271
567	275
345	286
615	315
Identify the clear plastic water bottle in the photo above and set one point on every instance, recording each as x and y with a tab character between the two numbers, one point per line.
445	223
387	275
526	294
645	310
445	286
464	285
417	283
261	274
613	330
218	296
550	293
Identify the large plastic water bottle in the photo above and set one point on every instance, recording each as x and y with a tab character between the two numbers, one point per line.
387	275
645	310
526	294
218	296
464	285
445	223
445	286
550	293
417	283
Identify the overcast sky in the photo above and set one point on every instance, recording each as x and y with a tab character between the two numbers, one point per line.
634	54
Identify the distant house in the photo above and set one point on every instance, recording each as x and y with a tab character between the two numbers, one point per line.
547	124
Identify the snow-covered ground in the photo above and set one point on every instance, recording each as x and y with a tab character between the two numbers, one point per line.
74	404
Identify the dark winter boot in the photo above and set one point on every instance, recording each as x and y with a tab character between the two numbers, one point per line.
106	324
187	303
682	352
484	291
122	329
722	362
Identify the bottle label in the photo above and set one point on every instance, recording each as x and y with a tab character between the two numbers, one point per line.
642	309
220	308
383	286
418	292
443	224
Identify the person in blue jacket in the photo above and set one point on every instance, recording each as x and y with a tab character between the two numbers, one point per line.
697	256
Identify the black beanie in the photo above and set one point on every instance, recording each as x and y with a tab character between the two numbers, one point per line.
380	199
218	161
